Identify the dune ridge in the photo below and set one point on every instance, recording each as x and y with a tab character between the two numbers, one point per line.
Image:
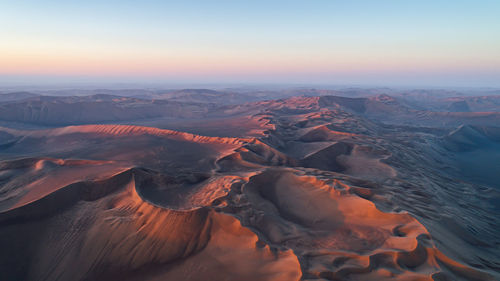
124	130
323	194
336	232
140	235
351	234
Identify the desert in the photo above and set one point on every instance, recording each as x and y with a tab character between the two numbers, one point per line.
305	187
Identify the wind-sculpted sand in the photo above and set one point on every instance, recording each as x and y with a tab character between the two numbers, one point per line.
319	193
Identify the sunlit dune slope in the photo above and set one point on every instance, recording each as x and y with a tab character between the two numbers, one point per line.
113	234
320	192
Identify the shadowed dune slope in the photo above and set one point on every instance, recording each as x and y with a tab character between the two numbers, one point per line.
321	191
112	234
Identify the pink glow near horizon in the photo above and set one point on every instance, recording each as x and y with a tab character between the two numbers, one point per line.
252	42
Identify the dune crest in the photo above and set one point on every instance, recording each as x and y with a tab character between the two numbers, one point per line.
337	234
119	230
125	130
317	188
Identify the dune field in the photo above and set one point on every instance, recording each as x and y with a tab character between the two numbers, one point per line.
302	186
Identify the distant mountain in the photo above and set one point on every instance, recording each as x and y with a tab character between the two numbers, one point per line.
477	104
16	96
49	110
205	103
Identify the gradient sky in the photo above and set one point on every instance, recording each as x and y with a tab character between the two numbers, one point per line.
425	42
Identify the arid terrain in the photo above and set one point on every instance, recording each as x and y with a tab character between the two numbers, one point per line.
300	184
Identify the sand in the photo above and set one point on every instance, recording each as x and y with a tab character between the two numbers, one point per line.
311	190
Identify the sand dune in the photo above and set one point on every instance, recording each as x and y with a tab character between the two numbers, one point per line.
323	133
288	208
119	229
27	180
123	130
318	192
339	235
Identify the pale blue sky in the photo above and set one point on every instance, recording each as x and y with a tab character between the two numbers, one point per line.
339	42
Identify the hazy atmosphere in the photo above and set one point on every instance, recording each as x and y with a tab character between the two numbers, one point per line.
250	140
388	43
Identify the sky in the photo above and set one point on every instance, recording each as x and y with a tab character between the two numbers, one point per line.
361	42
